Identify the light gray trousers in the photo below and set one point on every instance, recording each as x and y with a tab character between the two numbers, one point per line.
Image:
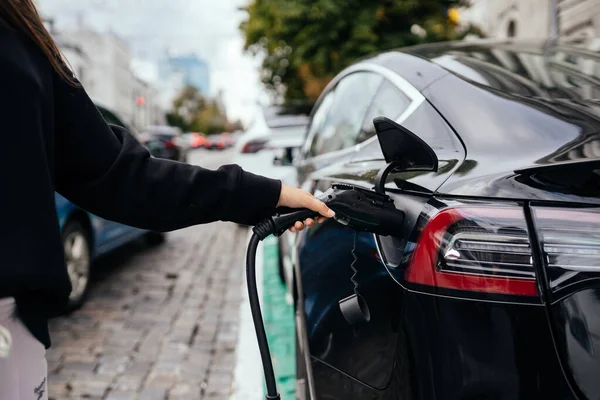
23	368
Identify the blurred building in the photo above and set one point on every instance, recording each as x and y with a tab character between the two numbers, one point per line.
102	62
535	18
186	70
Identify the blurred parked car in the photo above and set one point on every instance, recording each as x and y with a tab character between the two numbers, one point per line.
228	139
86	236
165	142
492	291
272	141
197	140
219	142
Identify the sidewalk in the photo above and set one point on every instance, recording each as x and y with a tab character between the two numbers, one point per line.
161	324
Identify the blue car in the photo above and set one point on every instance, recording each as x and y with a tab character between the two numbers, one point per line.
86	236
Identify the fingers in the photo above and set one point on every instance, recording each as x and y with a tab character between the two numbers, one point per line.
308	223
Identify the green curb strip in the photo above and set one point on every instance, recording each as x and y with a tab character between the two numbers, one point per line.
279	322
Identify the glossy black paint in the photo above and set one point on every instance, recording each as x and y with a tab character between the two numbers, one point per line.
361	168
578	337
507	121
460	349
522	146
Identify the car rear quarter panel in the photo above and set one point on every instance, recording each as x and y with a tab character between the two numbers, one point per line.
519	148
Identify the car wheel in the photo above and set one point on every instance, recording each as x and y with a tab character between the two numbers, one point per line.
155	238
77	248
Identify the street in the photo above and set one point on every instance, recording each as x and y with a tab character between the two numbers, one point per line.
159	323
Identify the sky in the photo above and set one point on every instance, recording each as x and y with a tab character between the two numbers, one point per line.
208	28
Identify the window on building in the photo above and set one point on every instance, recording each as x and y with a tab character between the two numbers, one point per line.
512	29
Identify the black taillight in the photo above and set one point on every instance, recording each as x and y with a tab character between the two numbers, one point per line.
570	242
254	146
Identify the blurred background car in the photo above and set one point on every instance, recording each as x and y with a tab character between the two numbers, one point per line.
165	141
270	144
197	140
193	140
228	139
218	142
86	236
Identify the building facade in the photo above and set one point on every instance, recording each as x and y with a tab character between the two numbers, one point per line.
102	62
535	18
186	70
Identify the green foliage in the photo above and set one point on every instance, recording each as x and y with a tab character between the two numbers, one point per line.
174	119
193	112
307	42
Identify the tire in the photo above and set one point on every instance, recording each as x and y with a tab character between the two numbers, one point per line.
155	238
78	258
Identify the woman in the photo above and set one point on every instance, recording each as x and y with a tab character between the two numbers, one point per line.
69	149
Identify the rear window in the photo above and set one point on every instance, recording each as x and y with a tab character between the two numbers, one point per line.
163	130
288	115
289	131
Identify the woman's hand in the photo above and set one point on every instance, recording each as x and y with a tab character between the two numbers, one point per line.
297	198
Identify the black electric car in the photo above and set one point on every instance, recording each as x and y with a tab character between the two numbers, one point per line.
492	291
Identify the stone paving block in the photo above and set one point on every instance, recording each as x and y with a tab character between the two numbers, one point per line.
163	325
88	388
152	393
117	395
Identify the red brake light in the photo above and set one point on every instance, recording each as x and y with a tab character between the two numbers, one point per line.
169	144
475	249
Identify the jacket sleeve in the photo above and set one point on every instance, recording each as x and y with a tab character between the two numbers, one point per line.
109	173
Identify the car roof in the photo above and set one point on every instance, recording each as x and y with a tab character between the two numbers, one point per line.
532	68
529	100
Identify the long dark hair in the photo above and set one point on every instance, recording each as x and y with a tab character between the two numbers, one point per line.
23	16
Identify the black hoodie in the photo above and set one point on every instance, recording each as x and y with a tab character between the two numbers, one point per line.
54	139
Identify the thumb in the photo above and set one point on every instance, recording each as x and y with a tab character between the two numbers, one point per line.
321	208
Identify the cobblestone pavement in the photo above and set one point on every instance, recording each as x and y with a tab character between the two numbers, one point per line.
160	323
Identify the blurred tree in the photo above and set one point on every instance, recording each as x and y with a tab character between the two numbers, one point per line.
236	125
193	112
305	43
210	120
174	119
